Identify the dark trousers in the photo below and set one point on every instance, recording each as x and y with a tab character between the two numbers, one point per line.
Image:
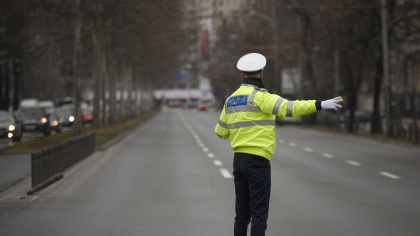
252	189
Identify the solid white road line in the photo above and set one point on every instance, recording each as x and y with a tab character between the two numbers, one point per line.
389	175
354	163
210	155
308	149
281	141
327	155
292	144
225	173
205	149
217	162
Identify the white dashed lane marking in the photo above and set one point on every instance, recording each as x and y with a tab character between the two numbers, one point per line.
281	141
354	163
226	174
217	162
201	144
389	175
327	155
205	149
308	149
292	144
210	155
33	198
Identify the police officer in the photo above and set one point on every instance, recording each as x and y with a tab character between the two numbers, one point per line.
248	120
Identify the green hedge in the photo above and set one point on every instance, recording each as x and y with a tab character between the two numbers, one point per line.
103	135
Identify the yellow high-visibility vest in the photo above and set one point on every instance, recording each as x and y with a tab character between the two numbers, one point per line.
248	119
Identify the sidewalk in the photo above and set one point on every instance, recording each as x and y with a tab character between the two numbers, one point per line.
13	168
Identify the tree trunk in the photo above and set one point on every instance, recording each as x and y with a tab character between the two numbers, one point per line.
7	86
123	90
112	90
376	122
17	70
130	92
2	79
104	88
352	106
99	85
96	79
77	56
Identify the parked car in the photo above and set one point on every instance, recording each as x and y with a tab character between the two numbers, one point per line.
34	120
288	120
10	127
48	106
55	123
359	116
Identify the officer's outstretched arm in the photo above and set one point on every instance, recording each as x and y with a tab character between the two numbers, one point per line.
222	129
281	107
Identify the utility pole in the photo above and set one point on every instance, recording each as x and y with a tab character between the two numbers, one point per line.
275	41
336	73
77	57
385	54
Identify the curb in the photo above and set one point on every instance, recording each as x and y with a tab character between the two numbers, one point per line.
15	152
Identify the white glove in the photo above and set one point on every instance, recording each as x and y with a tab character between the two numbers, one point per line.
332	103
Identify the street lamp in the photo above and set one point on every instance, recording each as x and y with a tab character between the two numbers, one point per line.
273	23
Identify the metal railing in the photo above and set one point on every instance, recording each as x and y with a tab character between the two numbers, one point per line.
48	164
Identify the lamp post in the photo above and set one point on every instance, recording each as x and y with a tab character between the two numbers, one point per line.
273	23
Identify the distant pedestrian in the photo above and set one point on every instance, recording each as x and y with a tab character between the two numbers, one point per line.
248	120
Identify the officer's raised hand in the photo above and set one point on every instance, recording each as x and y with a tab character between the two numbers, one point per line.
332	103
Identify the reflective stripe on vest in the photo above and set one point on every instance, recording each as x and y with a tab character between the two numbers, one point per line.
289	112
242	108
223	124
223	137
251	123
277	106
251	98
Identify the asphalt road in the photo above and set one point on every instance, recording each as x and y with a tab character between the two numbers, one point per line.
4	142
173	177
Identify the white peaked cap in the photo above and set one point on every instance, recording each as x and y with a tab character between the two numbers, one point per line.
251	62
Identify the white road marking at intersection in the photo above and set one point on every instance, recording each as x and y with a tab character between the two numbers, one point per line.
225	173
327	155
210	155
217	162
354	163
389	175
308	149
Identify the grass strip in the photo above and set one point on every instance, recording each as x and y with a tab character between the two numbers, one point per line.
103	135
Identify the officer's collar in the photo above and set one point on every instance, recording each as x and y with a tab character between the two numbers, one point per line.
253	81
